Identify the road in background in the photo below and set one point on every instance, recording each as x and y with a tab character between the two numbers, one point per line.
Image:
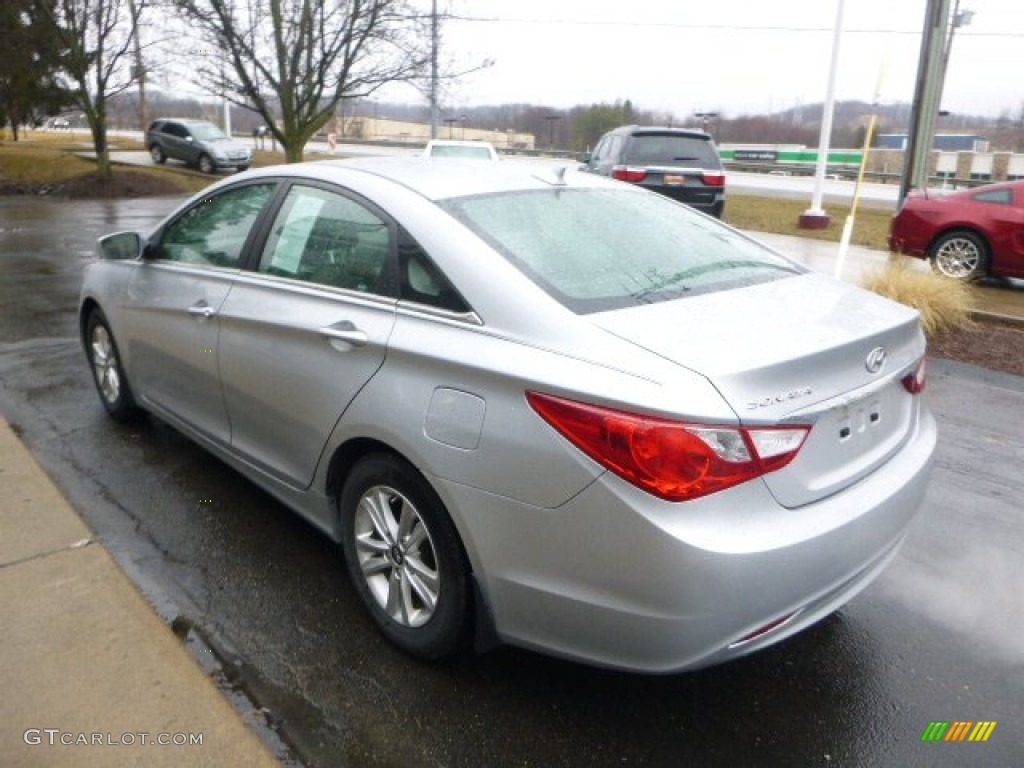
792	187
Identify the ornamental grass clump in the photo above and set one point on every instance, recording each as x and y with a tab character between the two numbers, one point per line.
944	304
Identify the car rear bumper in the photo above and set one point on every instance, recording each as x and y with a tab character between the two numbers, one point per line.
620	579
708	200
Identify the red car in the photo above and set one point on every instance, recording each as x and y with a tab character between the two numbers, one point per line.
967	235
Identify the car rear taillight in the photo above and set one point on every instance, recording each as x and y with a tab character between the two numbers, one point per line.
628	173
914	382
673	460
713	178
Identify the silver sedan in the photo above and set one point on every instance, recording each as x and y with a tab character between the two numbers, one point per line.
534	407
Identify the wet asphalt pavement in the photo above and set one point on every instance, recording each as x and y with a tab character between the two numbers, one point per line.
937	637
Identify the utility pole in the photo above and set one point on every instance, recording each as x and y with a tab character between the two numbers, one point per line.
926	98
435	115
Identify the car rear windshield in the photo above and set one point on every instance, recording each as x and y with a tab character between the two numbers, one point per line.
670	149
452	150
600	249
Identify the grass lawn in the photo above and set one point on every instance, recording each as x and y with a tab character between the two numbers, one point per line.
769	214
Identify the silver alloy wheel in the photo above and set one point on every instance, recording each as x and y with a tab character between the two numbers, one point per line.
396	556
157	154
104	364
205	164
958	257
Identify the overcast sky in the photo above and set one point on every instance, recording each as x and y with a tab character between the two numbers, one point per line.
730	56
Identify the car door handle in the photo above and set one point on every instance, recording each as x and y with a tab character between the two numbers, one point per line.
202	309
345	331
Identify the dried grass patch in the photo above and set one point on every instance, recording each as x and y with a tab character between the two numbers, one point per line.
944	304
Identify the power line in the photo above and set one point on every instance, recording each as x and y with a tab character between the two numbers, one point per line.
713	27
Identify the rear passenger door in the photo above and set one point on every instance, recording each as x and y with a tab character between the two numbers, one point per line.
306	329
176	142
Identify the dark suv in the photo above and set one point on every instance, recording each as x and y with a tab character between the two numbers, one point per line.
678	163
195	142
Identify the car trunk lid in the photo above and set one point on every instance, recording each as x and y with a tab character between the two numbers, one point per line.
804	349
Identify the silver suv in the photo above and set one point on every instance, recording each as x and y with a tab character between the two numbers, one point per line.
195	142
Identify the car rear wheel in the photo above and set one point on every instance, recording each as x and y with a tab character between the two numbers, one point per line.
404	557
206	164
107	372
961	255
157	154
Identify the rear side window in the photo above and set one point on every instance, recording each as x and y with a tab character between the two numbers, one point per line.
600	249
670	149
1001	196
422	282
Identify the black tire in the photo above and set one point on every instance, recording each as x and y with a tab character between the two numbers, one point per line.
960	255
206	164
107	372
242	168
419	556
157	154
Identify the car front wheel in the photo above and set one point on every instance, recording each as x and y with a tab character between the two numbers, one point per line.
961	255
404	557
157	154
107	372
206	164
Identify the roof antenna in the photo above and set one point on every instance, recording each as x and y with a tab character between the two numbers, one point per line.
558	174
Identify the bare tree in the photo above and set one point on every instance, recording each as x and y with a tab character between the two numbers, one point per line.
301	58
94	39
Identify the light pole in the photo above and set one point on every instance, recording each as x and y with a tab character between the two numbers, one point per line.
705	118
551	131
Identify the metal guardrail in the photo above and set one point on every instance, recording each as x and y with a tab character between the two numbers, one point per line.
849	174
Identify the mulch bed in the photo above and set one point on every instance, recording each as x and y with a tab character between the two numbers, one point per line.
986	343
123	183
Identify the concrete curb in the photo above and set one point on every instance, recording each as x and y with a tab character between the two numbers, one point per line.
91	675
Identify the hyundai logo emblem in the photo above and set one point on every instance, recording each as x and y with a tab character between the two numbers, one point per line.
875	360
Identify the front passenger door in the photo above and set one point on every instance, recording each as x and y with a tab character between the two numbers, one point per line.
172	327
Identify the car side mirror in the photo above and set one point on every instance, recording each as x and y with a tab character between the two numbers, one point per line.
120	246
584	157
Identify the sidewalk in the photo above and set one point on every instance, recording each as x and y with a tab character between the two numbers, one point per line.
91	676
